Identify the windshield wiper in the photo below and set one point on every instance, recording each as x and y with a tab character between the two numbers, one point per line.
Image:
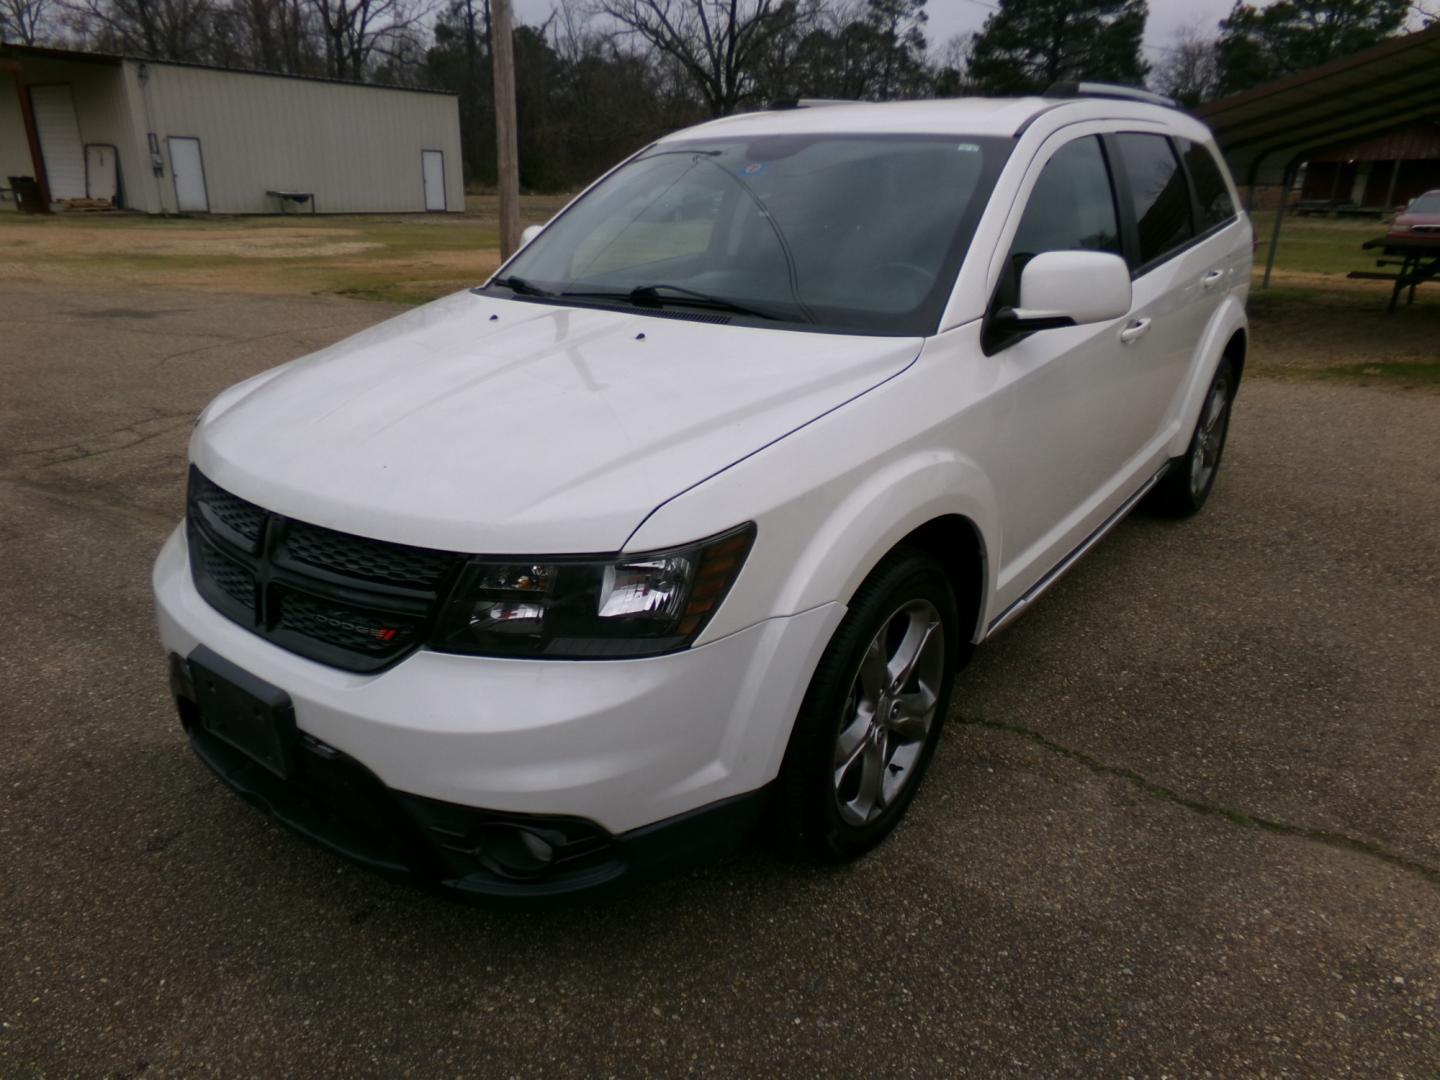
650	296
521	286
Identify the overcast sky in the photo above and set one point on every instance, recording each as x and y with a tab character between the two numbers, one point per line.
951	17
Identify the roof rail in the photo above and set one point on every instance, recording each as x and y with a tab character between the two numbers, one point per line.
1107	90
807	103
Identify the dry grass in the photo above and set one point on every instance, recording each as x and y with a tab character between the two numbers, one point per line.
404	258
1312	322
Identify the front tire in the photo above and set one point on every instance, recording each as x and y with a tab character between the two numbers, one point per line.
872	715
1186	485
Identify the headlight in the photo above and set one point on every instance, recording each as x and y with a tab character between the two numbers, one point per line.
588	608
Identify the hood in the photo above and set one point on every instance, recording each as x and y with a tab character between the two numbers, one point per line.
1404	221
497	426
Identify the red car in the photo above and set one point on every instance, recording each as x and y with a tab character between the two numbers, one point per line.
1420	218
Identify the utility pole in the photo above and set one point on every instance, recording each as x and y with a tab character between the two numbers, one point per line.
507	150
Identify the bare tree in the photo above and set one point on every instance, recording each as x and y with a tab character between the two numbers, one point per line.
719	44
275	35
356	31
163	29
949	64
1190	72
24	21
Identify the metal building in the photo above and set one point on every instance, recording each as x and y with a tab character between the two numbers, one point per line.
166	137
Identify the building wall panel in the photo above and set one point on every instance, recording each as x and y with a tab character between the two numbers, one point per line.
357	148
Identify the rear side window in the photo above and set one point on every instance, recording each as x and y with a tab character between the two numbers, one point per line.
1072	207
1211	194
1158	194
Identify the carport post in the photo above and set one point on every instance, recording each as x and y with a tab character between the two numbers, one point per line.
1390	192
32	137
1287	178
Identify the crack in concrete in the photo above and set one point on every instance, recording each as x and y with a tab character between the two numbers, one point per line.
94	447
1337	840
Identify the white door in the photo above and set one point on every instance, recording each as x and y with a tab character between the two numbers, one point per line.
1074	389
433	166
189	173
60	145
100	177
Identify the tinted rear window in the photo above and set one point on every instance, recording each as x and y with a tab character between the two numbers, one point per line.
1158	193
1211	193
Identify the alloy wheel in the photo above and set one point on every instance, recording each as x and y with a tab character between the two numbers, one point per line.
1210	436
889	712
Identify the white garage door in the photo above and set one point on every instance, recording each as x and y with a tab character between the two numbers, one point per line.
60	144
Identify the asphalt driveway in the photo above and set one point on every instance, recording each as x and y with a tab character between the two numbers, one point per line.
1184	819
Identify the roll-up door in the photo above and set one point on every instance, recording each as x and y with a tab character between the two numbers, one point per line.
60	144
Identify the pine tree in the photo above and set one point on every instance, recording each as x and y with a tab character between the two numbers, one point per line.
1260	44
1028	44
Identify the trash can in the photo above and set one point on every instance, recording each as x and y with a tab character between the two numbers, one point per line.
27	195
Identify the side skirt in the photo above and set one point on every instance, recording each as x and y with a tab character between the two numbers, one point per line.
1056	572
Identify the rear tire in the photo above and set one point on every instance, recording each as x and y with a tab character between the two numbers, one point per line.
873	713
1186	485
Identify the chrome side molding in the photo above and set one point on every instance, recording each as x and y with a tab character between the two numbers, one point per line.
1056	572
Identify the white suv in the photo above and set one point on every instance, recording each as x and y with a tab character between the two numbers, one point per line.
691	513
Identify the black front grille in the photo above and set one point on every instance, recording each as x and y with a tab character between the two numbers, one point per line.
355	629
226	513
358	557
231	578
347	601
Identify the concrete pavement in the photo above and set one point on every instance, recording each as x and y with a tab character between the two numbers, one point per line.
1183	820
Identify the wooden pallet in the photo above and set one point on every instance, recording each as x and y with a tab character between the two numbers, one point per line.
86	205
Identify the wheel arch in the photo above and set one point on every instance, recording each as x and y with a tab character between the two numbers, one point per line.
1235	350
957	544
940	503
818	547
1226	337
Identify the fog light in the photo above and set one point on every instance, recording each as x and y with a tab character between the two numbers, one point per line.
514	852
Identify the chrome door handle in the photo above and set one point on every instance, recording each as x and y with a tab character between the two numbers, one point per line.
1135	331
1213	278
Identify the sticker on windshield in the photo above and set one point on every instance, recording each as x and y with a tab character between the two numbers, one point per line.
755	168
968	148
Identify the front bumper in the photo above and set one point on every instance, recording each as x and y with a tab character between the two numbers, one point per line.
335	801
626	749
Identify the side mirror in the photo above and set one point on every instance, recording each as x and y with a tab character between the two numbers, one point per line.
1070	288
529	233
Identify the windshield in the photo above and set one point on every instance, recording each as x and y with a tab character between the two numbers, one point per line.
861	234
1429	203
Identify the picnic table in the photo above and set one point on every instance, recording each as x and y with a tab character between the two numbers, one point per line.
299	198
1418	259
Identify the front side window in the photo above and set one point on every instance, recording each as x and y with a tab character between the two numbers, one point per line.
855	233
1072	208
1211	195
1158	193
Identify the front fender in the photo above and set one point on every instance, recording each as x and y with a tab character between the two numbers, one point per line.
832	498
878	514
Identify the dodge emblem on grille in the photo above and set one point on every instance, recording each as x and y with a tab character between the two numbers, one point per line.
379	633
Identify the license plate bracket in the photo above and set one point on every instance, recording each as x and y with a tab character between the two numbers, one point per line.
244	711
